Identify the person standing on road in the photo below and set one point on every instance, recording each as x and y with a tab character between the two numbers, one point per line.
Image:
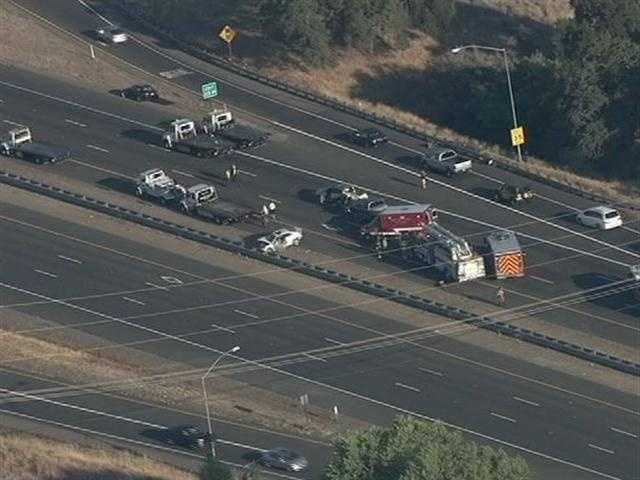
227	176
423	180
265	215
500	296
272	210
234	172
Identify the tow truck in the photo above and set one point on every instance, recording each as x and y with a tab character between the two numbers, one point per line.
449	254
203	201
156	185
19	144
183	137
221	123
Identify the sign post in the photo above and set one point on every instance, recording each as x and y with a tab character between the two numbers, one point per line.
227	34
209	90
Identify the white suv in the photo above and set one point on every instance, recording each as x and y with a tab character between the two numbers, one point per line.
604	218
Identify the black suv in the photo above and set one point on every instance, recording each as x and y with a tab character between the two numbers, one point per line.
140	93
369	137
512	194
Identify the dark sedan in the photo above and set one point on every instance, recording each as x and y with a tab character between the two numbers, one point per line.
284	459
140	93
369	137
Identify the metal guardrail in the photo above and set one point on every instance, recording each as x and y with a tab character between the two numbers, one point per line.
332	276
209	55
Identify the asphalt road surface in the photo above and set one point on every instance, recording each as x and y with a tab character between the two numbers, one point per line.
187	311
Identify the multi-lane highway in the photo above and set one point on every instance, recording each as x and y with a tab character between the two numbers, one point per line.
103	285
111	140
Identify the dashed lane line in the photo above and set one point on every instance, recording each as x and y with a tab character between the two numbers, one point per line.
601	449
224	329
133	300
69	259
543	280
95	147
432	372
407	387
46	274
247	314
528	402
502	417
622	432
77	124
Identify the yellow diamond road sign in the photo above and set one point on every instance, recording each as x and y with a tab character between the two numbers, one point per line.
227	34
517	136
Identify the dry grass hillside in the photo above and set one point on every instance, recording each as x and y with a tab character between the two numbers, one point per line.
27	457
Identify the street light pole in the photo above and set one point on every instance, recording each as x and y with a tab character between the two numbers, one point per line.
206	398
506	68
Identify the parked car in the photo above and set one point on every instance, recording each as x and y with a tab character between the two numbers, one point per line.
369	137
111	34
140	93
284	459
189	436
512	194
339	194
366	209
604	218
280	240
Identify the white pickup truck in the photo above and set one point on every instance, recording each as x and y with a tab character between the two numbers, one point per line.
443	160
156	185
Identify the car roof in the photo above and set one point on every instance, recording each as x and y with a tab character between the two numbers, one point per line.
602	209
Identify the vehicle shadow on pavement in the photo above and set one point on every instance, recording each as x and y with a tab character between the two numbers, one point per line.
118	184
143	136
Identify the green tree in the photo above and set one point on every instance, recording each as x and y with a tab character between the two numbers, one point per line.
213	469
433	16
299	26
415	450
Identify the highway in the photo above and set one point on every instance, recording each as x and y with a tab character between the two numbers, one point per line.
111	145
591	266
370	383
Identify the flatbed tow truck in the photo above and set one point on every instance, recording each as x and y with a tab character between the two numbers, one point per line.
183	137
203	201
222	124
19	144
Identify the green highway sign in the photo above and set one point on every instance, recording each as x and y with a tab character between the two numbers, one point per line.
209	90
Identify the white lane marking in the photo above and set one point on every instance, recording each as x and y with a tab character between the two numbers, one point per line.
459	190
81	409
269	198
455	215
407	387
629	434
315	382
79	105
106	170
138	442
42	272
528	402
313	357
9	122
244	172
332	229
157	146
184	174
95	12
173	280
69	259
241	312
432	372
157	286
95	147
73	122
176	73
602	449
224	329
502	417
331	340
133	300
540	279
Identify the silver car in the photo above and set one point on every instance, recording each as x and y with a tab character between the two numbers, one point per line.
111	34
284	459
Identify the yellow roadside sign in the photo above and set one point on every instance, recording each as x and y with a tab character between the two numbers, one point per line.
517	136
227	34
